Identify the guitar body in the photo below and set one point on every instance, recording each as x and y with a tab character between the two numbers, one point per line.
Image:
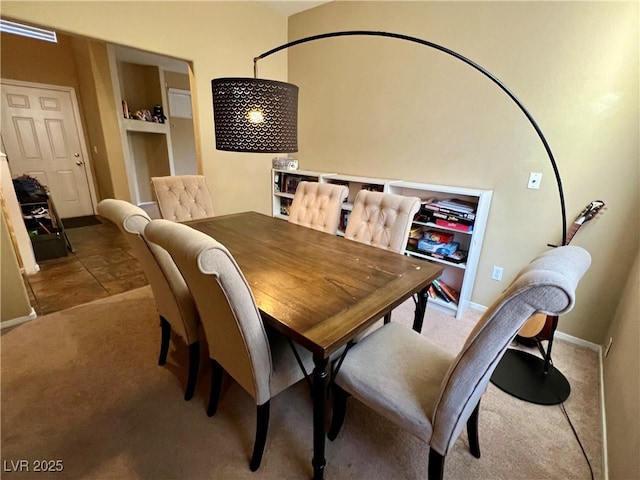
540	325
534	326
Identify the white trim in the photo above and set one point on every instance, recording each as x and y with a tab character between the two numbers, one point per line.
577	341
478	307
17	321
558	334
605	448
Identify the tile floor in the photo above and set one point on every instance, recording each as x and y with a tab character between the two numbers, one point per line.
102	265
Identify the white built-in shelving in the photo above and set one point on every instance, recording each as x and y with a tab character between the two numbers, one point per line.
461	276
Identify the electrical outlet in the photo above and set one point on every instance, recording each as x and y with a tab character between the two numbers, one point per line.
534	180
497	273
607	347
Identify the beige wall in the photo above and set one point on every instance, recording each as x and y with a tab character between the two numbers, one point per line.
102	130
390	108
15	302
219	38
622	383
51	63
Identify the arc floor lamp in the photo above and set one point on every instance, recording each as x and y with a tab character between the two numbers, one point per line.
260	116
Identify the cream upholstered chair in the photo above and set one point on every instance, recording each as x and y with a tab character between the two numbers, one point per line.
382	219
318	206
430	392
175	304
258	358
183	197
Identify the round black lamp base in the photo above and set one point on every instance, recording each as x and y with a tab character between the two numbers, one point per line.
522	375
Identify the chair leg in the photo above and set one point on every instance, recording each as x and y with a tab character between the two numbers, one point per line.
339	411
262	425
472	432
194	364
165	328
216	384
436	465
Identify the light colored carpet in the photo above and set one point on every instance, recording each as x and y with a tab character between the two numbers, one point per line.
82	386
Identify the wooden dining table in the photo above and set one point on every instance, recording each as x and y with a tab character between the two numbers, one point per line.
318	289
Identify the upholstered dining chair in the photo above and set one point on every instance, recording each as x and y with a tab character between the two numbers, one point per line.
174	302
318	206
258	358
432	393
382	219
183	197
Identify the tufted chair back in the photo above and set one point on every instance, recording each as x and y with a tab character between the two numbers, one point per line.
183	197
382	219
318	206
231	320
176	307
173	298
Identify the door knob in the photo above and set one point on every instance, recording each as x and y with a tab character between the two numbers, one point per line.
76	154
79	162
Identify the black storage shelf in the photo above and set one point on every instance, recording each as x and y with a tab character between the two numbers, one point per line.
40	217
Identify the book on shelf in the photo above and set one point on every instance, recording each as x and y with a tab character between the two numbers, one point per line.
334	181
449	293
415	235
440	292
373	187
438	236
462	227
459	256
432	292
291	183
455	207
416	232
344	220
285	206
441	248
449	218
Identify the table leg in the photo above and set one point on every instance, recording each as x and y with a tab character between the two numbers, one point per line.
421	308
319	395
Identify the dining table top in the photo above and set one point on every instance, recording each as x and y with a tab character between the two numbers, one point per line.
320	290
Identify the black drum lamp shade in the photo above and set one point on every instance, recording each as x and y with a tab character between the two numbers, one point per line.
255	115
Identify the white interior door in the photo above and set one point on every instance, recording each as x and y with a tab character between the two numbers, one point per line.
43	138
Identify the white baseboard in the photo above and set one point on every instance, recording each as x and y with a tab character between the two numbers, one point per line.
558	334
477	306
17	321
605	448
578	341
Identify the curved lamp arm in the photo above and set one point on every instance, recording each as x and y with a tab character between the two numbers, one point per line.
464	59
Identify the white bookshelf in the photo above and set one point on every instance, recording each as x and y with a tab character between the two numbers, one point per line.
460	276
